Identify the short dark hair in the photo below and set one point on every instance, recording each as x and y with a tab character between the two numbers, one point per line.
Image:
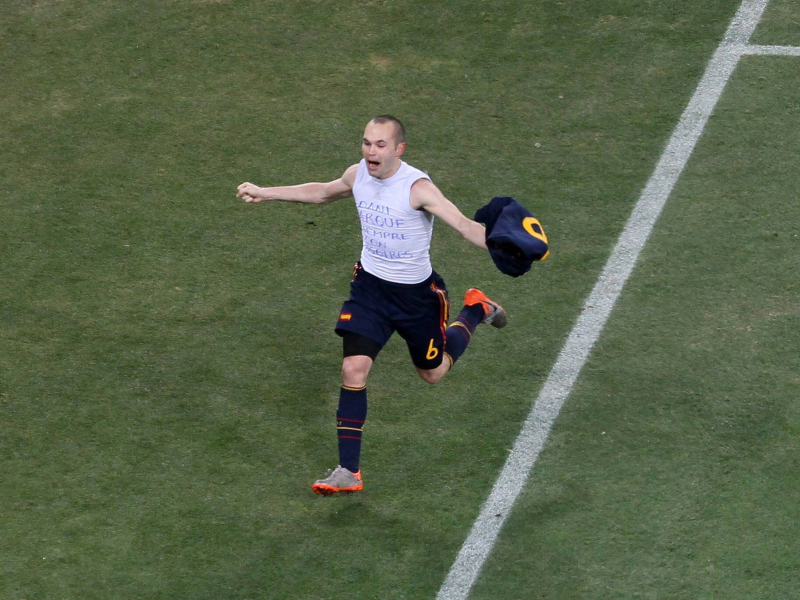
399	130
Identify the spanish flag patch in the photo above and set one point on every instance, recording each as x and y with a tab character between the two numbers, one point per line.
345	316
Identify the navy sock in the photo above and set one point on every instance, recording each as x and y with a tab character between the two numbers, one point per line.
350	419
460	331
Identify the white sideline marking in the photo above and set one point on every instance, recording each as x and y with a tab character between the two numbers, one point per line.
597	308
772	50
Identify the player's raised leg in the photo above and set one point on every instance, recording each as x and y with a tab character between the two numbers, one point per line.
478	308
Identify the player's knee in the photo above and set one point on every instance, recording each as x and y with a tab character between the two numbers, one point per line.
355	370
431	375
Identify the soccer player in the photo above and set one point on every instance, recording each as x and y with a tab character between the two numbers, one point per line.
394	287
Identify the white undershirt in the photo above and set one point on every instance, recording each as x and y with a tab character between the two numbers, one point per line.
397	238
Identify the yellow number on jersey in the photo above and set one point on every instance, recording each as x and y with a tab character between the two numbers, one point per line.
529	222
432	352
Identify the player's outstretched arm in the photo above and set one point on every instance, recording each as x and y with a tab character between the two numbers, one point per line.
310	193
426	196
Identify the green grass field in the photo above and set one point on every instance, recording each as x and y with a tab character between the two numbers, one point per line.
168	368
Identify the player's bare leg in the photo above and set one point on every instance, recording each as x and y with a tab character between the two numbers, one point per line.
355	370
434	375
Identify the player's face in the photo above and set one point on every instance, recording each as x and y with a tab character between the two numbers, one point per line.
381	150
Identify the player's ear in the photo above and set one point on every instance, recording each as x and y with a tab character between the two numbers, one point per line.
401	147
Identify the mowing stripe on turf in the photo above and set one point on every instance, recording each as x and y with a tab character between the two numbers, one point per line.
597	308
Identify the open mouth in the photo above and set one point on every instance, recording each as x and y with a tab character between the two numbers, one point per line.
373	165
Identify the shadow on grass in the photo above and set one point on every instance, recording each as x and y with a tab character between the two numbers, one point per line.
352	512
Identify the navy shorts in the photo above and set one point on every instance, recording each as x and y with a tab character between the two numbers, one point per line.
418	312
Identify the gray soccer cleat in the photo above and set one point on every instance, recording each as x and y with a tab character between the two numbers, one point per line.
339	480
494	314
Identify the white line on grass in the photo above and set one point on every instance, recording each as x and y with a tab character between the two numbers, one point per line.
586	331
773	50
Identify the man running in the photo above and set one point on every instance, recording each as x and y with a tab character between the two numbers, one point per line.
394	287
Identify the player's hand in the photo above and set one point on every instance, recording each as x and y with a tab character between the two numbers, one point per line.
249	192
